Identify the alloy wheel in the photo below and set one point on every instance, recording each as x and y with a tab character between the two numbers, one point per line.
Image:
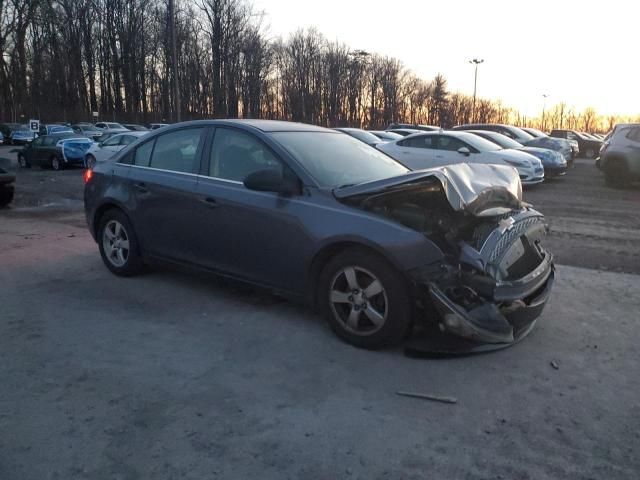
358	300
115	242
55	163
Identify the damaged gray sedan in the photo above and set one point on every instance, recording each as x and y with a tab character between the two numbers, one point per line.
314	213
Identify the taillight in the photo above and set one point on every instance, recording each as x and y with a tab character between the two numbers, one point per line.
88	175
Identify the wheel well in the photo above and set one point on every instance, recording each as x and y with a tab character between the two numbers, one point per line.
97	217
322	257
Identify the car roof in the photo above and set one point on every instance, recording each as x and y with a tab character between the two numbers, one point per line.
262	125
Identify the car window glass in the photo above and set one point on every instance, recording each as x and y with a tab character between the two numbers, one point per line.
449	143
176	151
425	141
126	139
37	142
235	155
111	142
48	141
143	154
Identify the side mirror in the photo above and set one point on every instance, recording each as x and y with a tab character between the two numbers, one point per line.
272	180
464	151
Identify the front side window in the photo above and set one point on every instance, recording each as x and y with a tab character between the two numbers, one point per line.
450	144
176	151
235	155
48	141
113	141
127	139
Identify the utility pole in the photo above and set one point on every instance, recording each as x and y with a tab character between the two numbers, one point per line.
544	105
174	60
476	62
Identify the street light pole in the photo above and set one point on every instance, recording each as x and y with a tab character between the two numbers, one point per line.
544	105
476	62
174	59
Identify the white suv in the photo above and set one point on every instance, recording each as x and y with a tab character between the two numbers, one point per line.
620	155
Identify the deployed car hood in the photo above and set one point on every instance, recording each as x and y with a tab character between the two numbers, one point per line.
481	190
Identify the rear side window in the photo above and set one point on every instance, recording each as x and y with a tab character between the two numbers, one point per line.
143	154
425	141
235	155
176	151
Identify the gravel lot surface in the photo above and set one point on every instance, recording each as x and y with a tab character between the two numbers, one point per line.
175	375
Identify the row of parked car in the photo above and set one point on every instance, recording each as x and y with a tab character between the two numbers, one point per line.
532	152
19	134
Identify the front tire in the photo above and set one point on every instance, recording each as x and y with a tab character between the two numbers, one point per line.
364	299
22	161
118	244
56	164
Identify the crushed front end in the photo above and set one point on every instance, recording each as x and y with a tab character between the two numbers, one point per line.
500	284
495	277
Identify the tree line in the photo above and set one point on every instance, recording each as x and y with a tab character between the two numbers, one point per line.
60	60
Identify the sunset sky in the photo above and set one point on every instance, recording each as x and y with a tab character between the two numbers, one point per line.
583	53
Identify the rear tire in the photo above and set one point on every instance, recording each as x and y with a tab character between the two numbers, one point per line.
6	195
364	299
118	244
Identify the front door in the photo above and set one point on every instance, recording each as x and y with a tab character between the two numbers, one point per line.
446	152
252	235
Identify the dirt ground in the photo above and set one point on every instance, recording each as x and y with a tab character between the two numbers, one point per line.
176	375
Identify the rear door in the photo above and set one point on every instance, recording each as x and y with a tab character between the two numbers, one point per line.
162	182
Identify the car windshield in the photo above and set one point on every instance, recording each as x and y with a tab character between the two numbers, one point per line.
501	140
388	135
481	144
114	125
335	160
362	135
535	132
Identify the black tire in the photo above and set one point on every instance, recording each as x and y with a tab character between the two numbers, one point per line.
90	161
394	296
133	264
6	195
55	163
590	153
616	174
22	161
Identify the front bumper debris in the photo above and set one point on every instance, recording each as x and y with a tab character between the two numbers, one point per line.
489	323
500	287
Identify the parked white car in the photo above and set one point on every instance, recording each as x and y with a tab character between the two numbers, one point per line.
100	152
434	149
